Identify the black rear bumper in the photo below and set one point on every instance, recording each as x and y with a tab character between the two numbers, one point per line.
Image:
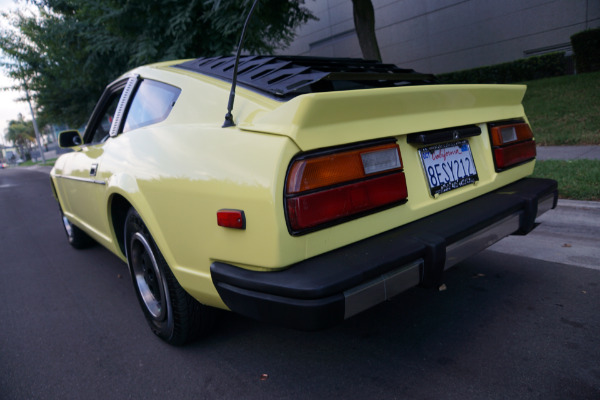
324	290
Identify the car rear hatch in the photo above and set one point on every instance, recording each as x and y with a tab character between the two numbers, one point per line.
437	129
389	150
318	120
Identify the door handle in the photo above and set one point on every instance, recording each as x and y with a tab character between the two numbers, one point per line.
94	169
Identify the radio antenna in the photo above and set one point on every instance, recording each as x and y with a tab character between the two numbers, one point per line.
229	117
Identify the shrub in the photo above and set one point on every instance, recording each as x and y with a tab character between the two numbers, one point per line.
525	69
586	46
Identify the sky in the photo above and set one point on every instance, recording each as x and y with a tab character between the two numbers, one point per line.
9	107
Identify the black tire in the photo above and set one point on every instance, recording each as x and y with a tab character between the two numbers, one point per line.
173	315
76	237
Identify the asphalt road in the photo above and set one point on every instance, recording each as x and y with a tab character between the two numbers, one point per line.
506	327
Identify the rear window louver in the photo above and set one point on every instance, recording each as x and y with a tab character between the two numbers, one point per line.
288	76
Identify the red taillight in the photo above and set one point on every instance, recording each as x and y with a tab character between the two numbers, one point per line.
515	154
512	144
328	189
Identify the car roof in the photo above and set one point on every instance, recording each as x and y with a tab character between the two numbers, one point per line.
284	77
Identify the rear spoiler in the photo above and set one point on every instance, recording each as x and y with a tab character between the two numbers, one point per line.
319	120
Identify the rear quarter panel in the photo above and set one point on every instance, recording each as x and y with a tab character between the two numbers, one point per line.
178	193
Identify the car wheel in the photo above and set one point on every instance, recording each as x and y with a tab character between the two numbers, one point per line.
76	237
173	315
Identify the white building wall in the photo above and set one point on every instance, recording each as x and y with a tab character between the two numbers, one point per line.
447	35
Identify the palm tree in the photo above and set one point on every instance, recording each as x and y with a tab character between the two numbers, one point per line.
21	134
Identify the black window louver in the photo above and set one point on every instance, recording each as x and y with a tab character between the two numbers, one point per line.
287	76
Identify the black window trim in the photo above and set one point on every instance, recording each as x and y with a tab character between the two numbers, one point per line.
131	86
122	107
100	108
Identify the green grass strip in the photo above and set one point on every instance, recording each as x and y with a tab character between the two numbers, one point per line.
564	110
30	163
577	179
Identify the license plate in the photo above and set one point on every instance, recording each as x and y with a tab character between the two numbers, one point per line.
448	166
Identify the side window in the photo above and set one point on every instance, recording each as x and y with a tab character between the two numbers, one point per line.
151	103
103	127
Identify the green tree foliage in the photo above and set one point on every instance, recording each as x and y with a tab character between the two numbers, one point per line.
74	48
20	133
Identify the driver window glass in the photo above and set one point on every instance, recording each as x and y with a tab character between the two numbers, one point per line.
102	130
151	104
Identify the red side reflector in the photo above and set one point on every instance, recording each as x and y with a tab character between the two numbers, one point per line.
514	154
231	219
309	210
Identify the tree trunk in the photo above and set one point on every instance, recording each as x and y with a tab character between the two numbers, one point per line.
364	23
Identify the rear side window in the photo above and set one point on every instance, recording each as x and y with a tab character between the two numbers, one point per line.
102	129
151	104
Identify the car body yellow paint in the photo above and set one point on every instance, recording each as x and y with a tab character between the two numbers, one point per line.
179	172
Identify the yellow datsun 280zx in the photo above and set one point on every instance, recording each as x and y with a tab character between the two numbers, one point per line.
338	184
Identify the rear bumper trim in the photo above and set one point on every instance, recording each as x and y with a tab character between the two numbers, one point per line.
481	240
324	290
546	204
383	288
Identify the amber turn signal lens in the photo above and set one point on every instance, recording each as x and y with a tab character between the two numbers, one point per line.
512	143
332	169
507	134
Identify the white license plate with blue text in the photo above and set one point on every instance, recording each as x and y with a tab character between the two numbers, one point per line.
448	166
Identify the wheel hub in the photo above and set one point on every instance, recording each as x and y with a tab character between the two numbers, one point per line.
147	275
68	227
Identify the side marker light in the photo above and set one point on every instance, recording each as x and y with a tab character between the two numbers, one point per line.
231	219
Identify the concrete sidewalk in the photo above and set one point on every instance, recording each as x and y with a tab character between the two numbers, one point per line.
569	234
568	152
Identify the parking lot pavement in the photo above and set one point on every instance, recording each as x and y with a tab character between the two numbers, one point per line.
505	327
569	234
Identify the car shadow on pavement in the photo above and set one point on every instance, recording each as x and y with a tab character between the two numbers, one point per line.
503	325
